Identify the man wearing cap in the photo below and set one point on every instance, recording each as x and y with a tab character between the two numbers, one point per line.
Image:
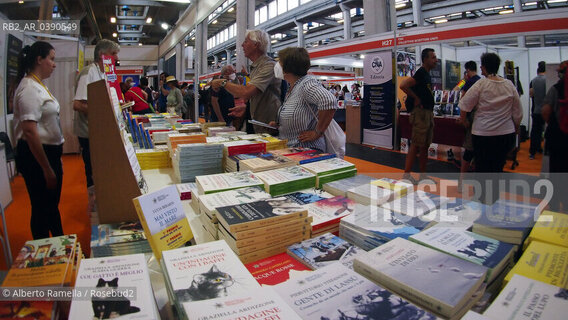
263	89
92	73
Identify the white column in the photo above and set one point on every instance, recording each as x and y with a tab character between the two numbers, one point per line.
300	27
245	20
201	47
521	40
417	12
180	62
376	17
346	22
229	53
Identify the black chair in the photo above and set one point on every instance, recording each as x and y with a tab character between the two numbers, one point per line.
10	155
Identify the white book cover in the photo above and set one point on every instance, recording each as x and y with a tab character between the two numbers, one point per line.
283	175
434	279
370	194
118	286
224	181
524	298
206	271
417	203
323	166
228	198
338	293
330	210
457	213
262	303
324	250
345	184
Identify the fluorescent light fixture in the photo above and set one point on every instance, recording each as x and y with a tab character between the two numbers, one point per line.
177	1
139	44
274	41
21	2
231	9
223	58
112	19
556	1
165	26
149	20
441	21
530	4
114	34
506	11
340	21
362	56
192	38
437	17
305	31
400	5
214	21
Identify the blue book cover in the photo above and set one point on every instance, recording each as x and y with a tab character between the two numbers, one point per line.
324	250
509	215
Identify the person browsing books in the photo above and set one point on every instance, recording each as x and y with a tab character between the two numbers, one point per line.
37	131
308	108
175	97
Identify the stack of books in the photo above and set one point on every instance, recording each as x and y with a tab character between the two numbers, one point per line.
493	254
440	283
273	143
226	181
186	190
330	170
401	188
369	194
232	163
202	272
119	286
206	125
309	156
275	269
208	204
232	134
213	131
118	239
458	213
263	228
327	214
44	263
416	204
153	159
506	221
370	226
187	128
551	227
220	139
195	159
161	137
324	250
287	180
340	187
184	138
336	292
242	146
264	162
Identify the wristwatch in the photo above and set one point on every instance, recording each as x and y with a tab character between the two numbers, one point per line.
223	83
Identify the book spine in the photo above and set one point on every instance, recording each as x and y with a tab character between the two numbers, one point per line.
142	218
284	234
261	223
303	224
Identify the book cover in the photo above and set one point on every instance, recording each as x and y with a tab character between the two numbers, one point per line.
338	293
524	298
209	202
328	166
260	213
432	279
118	286
311	156
340	187
330	211
28	310
417	203
400	187
227	181
543	262
551	227
262	303
275	269
481	250
43	262
284	175
457	213
369	194
163	219
291	151
324	250
206	271
509	216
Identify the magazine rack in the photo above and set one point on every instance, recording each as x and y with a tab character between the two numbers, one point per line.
115	182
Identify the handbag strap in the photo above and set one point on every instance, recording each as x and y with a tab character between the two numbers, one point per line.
325	131
139	97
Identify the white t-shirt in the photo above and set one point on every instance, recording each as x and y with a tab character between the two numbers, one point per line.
33	102
81	121
498	107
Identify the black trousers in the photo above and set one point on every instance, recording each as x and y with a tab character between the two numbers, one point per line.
45	203
536	133
86	153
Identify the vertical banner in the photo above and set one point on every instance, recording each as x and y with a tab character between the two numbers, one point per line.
453	74
377	114
111	77
13	48
436	76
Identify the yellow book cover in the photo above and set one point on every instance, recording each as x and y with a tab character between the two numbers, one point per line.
163	219
544	262
401	188
551	227
42	262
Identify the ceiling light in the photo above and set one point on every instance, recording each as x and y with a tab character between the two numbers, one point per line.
21	2
506	11
112	19
231	9
165	26
223	58
274	41
441	21
340	21
400	5
114	34
362	56
214	21
556	1
139	44
192	38
149	20
530	3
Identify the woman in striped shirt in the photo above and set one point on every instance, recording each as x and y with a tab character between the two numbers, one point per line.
308	108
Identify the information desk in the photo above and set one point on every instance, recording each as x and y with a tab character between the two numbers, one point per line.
446	130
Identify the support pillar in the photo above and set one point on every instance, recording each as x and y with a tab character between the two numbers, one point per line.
300	27
377	16
245	20
521	40
229	53
417	12
346	21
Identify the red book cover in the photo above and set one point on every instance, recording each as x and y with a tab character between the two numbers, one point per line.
274	270
248	148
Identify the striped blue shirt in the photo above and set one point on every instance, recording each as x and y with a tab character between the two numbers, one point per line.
294	116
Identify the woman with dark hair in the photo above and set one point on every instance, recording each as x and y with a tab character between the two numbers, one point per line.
308	108
39	138
497	117
175	97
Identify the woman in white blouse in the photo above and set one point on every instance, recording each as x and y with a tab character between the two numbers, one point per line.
308	108
39	138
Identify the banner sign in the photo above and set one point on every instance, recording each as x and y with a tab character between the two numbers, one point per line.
111	77
377	114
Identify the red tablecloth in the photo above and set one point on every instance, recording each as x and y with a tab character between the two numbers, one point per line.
446	130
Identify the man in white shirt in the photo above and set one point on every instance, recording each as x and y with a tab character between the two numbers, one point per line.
92	73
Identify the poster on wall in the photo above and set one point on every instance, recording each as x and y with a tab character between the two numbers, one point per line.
13	48
405	64
436	75
134	79
453	74
377	115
